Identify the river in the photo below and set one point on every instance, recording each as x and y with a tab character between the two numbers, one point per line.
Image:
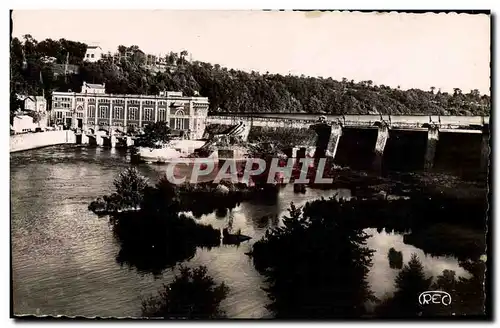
64	257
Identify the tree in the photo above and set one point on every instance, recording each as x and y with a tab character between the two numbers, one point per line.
183	56
192	295
15	103
37	116
410	283
155	134
316	264
467	294
130	186
228	90
432	89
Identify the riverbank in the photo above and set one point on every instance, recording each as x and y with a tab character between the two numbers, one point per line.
27	141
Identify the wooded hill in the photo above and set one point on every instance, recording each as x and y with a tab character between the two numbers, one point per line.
131	71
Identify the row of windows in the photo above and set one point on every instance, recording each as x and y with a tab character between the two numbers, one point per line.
61	114
62	105
122	101
62	99
132	113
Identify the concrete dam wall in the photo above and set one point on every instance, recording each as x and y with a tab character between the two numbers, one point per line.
404	145
27	141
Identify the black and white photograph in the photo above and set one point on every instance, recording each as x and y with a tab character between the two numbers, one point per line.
250	164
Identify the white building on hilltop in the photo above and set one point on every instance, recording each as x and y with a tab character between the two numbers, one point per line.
93	54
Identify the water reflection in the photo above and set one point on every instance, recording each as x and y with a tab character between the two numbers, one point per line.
64	258
381	276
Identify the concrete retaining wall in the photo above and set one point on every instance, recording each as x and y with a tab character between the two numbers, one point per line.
27	141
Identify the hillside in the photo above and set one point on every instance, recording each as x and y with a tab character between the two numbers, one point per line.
228	89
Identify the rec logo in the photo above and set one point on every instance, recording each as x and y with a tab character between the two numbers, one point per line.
434	297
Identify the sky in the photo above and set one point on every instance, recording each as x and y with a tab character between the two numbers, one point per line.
408	50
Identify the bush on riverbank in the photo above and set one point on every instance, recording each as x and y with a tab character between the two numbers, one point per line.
192	295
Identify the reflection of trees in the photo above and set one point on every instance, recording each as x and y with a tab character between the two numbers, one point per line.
316	265
156	236
192	295
410	282
152	242
467	294
395	259
439	224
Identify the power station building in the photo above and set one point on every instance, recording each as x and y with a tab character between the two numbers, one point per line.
93	109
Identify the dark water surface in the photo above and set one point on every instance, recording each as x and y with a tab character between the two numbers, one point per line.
64	256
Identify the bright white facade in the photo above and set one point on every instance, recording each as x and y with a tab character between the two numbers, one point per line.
93	109
23	123
93	54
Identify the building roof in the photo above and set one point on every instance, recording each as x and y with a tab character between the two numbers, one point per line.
95	86
23	117
32	98
93	47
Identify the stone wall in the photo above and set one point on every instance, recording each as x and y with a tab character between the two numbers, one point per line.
27	141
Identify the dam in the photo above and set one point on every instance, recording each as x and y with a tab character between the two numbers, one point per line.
378	142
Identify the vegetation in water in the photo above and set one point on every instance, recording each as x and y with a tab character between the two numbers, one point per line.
290	256
192	295
467	294
129	193
150	227
316	266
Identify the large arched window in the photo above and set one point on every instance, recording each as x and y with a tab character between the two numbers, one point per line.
179	122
